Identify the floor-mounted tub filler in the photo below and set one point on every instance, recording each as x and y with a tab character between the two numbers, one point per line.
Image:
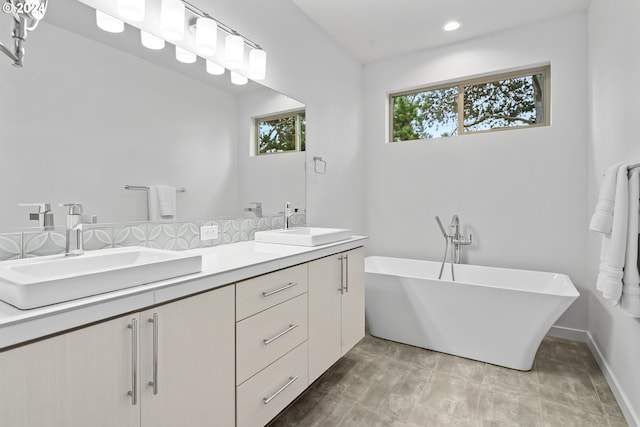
494	315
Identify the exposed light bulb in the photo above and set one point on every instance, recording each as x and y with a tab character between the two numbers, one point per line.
238	79
234	52
257	64
206	36
213	68
150	41
133	10
183	55
108	23
172	14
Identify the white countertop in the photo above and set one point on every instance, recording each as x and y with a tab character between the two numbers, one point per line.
221	265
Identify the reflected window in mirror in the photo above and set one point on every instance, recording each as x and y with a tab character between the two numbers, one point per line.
280	133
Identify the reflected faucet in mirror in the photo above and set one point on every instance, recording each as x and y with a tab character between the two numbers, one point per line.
44	216
257	210
75	219
287	214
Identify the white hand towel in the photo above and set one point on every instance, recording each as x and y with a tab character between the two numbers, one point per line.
602	218
162	202
630	301
166	201
614	245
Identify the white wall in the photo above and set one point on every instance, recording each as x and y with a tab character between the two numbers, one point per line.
80	120
522	193
614	66
272	179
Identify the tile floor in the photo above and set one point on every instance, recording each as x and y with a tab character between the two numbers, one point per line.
382	383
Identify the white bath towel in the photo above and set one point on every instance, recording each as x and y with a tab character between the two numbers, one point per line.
162	202
614	245
630	301
602	218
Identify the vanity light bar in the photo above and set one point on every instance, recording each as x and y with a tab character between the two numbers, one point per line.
202	14
204	28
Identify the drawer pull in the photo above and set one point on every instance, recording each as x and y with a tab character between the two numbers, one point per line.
283	388
134	361
286	331
275	291
154	382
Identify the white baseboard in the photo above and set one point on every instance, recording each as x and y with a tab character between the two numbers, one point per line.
578	335
568	333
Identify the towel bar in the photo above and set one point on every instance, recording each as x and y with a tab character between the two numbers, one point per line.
144	187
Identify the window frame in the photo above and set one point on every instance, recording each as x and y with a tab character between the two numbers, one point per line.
270	117
545	70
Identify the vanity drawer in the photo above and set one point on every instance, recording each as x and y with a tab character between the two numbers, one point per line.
268	335
258	294
288	376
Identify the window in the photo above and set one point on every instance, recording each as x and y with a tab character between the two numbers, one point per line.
281	133
512	100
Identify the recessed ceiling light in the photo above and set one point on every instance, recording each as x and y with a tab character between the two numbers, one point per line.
451	26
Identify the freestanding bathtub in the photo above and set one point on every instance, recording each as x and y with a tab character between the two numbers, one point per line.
495	315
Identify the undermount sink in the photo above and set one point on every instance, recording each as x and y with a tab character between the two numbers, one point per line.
36	282
303	236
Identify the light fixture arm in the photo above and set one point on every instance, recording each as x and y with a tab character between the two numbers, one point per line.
202	14
26	17
19	35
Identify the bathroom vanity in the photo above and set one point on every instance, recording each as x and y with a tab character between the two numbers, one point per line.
231	345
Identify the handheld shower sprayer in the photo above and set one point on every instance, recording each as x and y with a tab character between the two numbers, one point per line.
446	249
444	233
26	16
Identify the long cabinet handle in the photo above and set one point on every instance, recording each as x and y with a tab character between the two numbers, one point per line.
266	400
346	274
341	288
275	291
286	331
154	382
134	361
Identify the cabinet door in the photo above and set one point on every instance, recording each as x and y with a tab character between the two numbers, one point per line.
353	300
324	314
194	384
77	379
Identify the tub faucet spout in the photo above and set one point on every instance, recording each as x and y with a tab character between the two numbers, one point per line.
457	239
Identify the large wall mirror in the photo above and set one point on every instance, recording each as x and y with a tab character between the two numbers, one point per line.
91	112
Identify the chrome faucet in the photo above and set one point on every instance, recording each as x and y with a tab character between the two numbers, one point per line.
257	210
75	219
287	214
457	239
44	216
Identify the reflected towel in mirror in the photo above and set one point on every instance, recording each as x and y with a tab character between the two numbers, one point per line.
162	202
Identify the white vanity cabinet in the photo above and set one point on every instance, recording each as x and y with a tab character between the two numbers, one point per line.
188	381
100	375
271	344
336	308
76	379
236	354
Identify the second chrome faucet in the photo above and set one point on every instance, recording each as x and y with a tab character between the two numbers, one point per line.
75	219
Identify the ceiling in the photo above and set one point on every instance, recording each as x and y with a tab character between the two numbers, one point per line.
380	29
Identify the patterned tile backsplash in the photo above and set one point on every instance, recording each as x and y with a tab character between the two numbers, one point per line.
162	235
